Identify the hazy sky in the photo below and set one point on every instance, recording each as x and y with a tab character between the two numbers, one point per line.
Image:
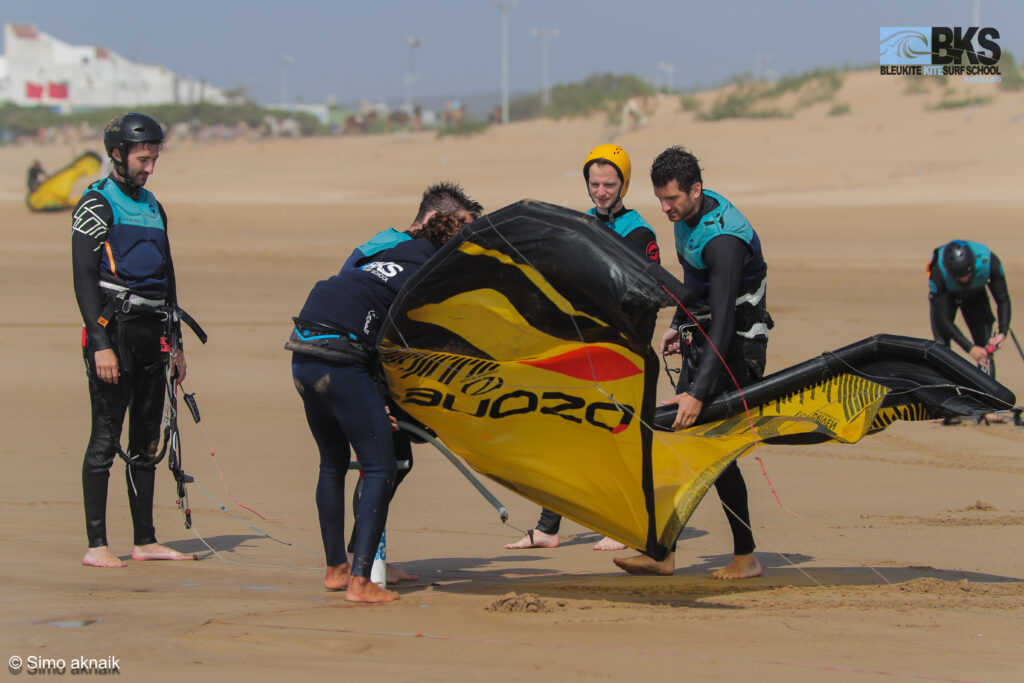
357	50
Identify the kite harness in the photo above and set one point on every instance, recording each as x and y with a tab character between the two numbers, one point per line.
125	303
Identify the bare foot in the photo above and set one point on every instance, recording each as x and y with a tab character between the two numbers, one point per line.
396	575
643	564
741	567
361	589
534	538
101	557
155	551
607	543
336	577
994	418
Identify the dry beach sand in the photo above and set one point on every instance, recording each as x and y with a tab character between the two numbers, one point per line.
897	556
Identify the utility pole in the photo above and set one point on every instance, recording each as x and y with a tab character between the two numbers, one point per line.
286	62
545	36
411	75
504	6
670	69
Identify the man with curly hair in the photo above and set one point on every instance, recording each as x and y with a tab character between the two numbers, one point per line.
333	365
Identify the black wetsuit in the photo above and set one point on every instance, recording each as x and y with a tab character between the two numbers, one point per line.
723	265
135	339
343	404
641	236
946	296
36	176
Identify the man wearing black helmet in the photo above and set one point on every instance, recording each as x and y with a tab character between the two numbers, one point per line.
957	276
122	269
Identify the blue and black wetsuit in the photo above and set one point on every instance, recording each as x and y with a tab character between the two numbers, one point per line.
946	296
385	239
630	226
119	245
724	267
342	402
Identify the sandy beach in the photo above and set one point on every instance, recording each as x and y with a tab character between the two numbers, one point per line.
899	556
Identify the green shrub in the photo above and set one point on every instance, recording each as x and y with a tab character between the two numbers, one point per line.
959	104
1012	79
464	128
28	120
688	102
600	92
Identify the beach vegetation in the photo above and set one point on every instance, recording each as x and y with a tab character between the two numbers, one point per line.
960	103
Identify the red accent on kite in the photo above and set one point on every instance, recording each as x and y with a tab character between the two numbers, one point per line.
589	363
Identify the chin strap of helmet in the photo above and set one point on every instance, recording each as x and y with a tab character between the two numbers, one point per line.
121	167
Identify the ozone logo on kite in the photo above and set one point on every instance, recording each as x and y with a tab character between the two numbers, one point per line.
612	417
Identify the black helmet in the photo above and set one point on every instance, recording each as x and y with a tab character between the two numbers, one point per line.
958	259
126	130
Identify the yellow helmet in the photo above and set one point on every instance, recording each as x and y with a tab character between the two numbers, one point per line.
614	155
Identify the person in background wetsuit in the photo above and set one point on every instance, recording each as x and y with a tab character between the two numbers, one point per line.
123	272
36	176
958	274
606	171
333	364
724	267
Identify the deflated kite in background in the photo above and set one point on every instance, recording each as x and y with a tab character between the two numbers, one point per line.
524	344
55	193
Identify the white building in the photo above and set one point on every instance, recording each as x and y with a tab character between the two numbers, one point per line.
38	69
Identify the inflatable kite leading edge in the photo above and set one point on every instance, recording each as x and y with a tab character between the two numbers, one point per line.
524	344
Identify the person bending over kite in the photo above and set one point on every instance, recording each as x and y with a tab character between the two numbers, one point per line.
334	365
957	277
446	197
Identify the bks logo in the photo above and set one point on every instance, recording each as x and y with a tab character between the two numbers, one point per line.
954	50
385	270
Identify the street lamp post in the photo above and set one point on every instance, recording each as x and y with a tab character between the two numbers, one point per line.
504	6
286	62
545	36
670	69
411	75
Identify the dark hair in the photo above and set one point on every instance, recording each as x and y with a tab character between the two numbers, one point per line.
441	227
450	197
675	163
